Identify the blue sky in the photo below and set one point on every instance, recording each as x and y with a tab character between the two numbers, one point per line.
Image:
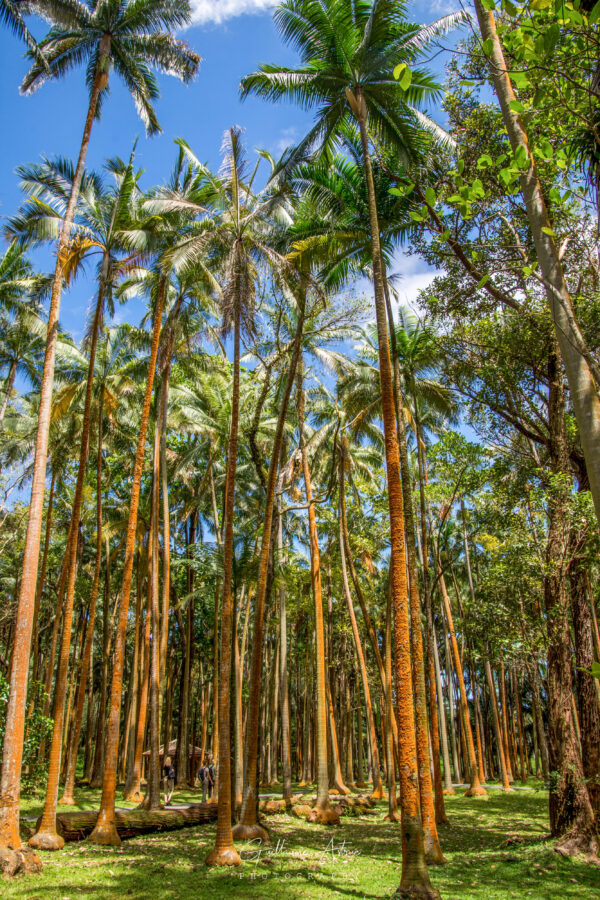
233	37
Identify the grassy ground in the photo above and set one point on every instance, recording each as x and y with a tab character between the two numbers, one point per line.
361	859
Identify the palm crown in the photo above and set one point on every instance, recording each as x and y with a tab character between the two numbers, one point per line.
131	35
348	49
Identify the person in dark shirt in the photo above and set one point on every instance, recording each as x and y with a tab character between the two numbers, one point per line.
168	780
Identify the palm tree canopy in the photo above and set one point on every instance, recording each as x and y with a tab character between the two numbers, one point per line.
347	49
134	37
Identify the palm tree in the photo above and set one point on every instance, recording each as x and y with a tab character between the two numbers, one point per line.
104	214
22	327
347	52
12	14
323	812
238	233
133	36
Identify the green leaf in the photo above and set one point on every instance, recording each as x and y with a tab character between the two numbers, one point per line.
406	79
510	8
478	188
466	83
484	161
594	16
546	149
445	235
483	281
415	216
488	46
517	106
488	4
521	80
399	69
548	231
430	196
552	35
461	166
596	665
521	157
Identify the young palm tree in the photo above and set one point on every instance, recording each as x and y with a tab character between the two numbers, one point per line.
133	36
347	52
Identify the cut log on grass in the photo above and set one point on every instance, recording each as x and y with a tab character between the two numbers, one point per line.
76	826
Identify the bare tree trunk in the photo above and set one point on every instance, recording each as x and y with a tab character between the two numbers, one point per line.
581	369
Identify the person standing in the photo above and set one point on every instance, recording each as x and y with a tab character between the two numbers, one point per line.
211	778
168	780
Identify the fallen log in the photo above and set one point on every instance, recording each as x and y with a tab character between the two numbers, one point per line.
76	826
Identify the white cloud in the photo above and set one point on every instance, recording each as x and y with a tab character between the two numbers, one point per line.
288	137
413	276
218	10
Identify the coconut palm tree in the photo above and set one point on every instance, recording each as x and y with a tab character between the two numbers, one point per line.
134	37
347	52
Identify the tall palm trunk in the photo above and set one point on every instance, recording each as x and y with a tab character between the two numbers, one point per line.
476	789
152	800
132	792
40	583
98	761
283	671
224	852
166	582
436	710
390	760
378	792
215	733
581	369
248	827
105	831
12	755
46	837
448	787
433	850
67	797
323	812
415	877
496	723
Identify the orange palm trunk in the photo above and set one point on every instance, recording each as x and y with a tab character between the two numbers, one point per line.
12	755
415	877
378	792
68	797
46	837
476	789
105	831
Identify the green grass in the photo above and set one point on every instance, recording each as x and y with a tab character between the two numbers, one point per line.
361	859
